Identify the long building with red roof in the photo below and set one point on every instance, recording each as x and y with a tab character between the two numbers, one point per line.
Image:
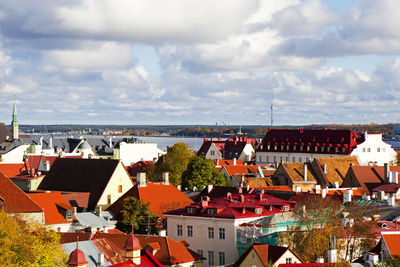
210	225
301	145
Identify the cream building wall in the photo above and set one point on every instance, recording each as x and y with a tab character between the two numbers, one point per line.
200	241
131	153
213	152
252	259
375	151
273	157
111	193
16	155
247	153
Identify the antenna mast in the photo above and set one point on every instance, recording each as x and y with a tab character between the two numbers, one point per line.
272	108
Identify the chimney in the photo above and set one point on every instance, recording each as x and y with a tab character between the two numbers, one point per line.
47	165
100	259
332	253
162	233
393	177
305	171
110	142
75	210
323	192
209	188
325	169
391	201
51	142
165	176
105	229
336	184
320	260
98	211
234	161
141	179
242	198
386	171
347	196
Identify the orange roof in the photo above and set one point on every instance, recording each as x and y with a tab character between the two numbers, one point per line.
223	162
12	169
392	242
295	170
242	169
277	188
15	200
162	198
170	252
51	202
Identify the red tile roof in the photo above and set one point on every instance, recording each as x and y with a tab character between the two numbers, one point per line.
242	169
368	177
15	200
12	169
223	162
68	237
286	139
235	206
112	253
77	199
266	253
162	198
51	202
138	167
387	188
229	148
146	260
393	244
171	252
34	160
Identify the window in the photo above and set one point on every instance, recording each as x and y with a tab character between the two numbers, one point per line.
210	232
286	208
378	149
179	229
287	159
191	210
267	159
210	257
120	189
221	233
300	159
200	252
328	149
274	159
322	149
363	150
308	148
288	260
275	147
343	149
211	211
258	210
369	149
301	148
189	231
109	199
287	148
280	159
315	149
259	158
221	256
212	152
70	215
294	159
294	148
281	147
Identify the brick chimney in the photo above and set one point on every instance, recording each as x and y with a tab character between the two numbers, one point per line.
305	171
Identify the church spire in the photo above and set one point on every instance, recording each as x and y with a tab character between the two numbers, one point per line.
14	122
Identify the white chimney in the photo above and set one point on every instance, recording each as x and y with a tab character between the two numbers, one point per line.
100	259
347	196
305	171
98	211
336	184
323	192
391	201
320	260
105	229
325	169
110	142
393	177
162	233
234	161
47	165
165	177
51	142
298	189
332	255
141	179
209	188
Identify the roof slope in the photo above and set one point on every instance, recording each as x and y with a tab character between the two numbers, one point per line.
80	175
336	168
12	169
295	170
51	202
266	253
368	177
392	242
15	200
162	198
171	252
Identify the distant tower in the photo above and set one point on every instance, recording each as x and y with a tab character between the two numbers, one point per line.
14	123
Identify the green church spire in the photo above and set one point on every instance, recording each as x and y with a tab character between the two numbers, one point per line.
14	121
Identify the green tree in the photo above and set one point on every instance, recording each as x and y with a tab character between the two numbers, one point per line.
23	244
175	162
134	213
201	172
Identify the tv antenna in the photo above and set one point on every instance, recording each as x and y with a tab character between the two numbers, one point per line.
272	108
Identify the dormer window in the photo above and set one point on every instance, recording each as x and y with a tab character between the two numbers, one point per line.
301	148
258	210
294	148
285	208
211	211
315	149
70	215
287	148
191	210
275	147
281	147
268	147
308	148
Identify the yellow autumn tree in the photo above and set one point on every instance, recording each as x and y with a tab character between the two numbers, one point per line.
23	244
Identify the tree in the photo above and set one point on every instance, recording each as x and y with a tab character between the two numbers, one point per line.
201	172
175	162
319	218
398	159
23	244
134	213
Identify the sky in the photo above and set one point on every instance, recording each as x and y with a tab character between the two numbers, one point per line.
200	62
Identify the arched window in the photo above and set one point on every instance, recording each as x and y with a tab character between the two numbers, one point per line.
120	189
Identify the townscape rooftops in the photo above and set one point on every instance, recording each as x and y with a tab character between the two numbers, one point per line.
161	197
295	170
80	175
170	252
286	139
335	168
12	169
242	169
387	188
392	241
229	148
51	202
235	206
36	160
15	200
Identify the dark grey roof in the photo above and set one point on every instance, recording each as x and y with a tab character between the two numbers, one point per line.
80	175
90	250
9	145
65	144
4	133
